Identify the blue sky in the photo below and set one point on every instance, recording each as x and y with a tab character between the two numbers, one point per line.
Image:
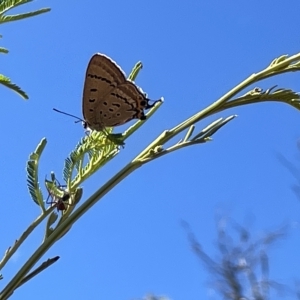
131	243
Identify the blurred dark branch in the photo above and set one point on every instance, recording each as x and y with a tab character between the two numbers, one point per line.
295	171
242	272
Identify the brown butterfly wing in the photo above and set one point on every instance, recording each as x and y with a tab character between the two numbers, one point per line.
124	103
102	76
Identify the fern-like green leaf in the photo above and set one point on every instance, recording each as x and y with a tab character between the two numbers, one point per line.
258	95
6	82
40	147
281	95
278	60
6	5
136	69
4	78
91	153
10	18
54	189
285	63
32	175
3	50
212	128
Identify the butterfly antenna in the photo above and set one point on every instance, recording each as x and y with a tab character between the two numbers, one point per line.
62	112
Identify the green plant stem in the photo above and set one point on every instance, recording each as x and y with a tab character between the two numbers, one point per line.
23	237
174	148
15	281
219	104
144	157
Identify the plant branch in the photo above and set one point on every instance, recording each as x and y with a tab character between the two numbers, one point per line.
15	281
153	151
11	250
278	66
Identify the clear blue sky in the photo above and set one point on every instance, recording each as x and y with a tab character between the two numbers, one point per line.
131	243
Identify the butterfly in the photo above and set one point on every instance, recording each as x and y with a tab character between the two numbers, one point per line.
109	99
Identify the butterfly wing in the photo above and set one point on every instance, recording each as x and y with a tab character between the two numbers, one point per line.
102	76
124	103
109	99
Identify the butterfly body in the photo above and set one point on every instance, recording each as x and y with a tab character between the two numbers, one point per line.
109	99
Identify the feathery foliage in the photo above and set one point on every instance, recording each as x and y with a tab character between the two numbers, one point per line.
96	149
6	82
91	153
6	5
32	174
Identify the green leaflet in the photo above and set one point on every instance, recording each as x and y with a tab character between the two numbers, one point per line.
92	152
6	5
6	82
32	175
10	18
